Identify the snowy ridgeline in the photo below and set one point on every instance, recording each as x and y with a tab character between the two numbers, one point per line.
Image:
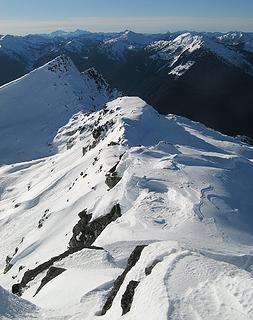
133	215
35	106
234	48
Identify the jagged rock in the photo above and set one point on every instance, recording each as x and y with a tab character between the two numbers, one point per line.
128	295
112	143
29	275
51	274
149	269
8	267
112	179
16	289
8	259
86	232
133	258
97	132
100	81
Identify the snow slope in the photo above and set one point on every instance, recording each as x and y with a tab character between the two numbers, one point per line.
13	307
118	46
185	191
35	106
174	51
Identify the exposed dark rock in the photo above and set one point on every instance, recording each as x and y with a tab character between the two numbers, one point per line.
20	268
8	267
52	273
29	275
113	169
16	289
86	232
97	132
128	295
149	269
112	179
132	260
70	143
112	143
8	259
43	219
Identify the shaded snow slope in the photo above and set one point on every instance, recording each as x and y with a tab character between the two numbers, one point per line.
13	307
185	191
35	106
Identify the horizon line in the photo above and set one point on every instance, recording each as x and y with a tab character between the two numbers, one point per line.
142	24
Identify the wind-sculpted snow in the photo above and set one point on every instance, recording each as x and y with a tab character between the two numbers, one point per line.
184	192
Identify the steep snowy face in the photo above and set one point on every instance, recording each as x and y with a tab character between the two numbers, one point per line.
232	38
244	40
35	106
178	52
117	47
125	176
26	49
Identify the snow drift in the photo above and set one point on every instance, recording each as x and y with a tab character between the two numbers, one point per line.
144	215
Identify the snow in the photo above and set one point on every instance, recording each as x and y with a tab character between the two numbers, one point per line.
175	50
181	69
117	47
13	307
80	278
185	192
232	47
29	122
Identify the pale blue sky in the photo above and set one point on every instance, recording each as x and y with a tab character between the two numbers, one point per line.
29	16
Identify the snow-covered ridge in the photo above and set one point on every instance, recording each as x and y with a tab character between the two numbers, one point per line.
177	50
33	107
181	189
119	46
233	48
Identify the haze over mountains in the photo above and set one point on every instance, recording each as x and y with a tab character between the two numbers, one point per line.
207	77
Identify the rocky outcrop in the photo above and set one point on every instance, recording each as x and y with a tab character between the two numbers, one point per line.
112	179
52	273
149	269
128	295
29	275
85	232
8	259
132	260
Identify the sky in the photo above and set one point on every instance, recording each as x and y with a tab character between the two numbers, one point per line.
38	16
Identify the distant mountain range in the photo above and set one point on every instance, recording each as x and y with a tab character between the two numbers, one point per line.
207	77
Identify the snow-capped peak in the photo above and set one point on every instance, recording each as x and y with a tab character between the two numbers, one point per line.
39	103
187	39
61	64
174	51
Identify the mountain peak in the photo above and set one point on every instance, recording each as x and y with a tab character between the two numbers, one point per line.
42	102
61	64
